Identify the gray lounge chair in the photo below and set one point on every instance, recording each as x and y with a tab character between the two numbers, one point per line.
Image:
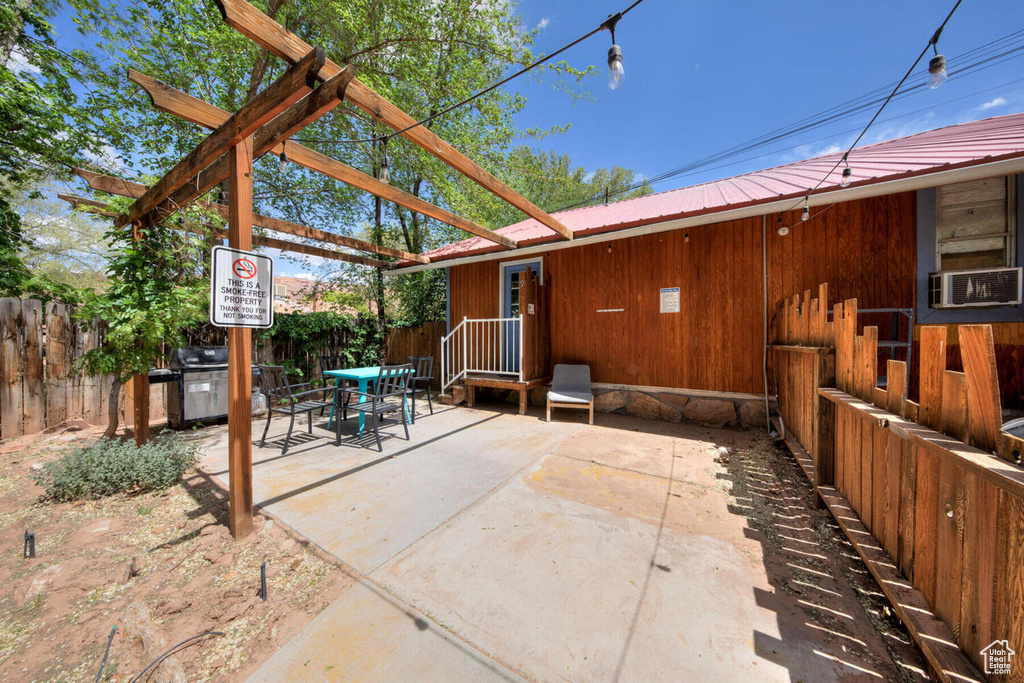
570	388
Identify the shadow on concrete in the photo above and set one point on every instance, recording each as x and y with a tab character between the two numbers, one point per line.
651	567
384	457
820	585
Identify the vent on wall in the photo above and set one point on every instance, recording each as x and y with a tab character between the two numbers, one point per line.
975	288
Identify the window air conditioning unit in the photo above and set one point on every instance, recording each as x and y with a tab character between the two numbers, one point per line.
975	288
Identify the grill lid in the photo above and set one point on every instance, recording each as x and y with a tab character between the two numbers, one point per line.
188	357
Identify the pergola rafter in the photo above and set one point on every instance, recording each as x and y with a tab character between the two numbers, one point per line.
183	189
86	205
296	83
172	101
127	188
266	32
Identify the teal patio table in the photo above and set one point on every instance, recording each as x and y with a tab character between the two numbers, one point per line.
364	376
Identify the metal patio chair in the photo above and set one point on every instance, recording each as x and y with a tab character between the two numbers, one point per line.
283	399
422	376
389	394
332	363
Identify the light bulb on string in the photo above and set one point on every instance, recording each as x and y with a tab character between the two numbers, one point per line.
385	172
937	71
283	165
807	211
784	230
937	65
616	72
847	173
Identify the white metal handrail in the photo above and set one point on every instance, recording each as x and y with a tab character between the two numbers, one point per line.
487	346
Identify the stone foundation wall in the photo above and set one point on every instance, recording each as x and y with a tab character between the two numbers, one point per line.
715	411
669	406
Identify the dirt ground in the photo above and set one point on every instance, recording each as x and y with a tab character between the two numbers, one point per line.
190	577
768	487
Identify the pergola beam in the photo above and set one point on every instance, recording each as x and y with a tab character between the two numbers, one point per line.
264	31
297	82
88	205
172	101
127	188
310	250
295	118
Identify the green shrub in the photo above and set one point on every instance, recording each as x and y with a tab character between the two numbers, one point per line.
112	466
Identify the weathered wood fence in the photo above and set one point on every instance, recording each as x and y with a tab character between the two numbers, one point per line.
40	345
39	387
425	340
936	515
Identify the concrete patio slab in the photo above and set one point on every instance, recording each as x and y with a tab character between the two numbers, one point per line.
494	546
366	636
363	506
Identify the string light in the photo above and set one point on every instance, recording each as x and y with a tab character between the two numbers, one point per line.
284	158
847	173
494	86
616	72
937	66
385	172
932	42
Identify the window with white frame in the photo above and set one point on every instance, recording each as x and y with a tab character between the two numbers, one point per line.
280	291
975	224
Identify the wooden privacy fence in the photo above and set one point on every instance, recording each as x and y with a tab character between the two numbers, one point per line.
937	517
39	387
40	345
425	340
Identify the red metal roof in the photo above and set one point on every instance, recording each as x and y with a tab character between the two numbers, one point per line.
961	145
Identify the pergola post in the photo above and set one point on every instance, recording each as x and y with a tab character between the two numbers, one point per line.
140	387
240	351
140	408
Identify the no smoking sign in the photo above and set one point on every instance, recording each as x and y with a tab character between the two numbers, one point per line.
241	289
244	268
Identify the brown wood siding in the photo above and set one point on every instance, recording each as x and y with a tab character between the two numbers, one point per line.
863	249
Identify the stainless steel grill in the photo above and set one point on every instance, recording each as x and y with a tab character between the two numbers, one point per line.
202	395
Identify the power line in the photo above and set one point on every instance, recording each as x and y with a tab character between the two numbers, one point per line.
986	57
607	24
932	43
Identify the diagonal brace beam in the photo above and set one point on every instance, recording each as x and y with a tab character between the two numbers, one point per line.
295	118
172	101
297	82
266	32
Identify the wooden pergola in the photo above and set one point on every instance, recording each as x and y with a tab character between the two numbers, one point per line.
311	87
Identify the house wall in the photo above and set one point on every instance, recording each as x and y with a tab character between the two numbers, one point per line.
863	249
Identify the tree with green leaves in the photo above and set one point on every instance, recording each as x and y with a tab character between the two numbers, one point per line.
157	289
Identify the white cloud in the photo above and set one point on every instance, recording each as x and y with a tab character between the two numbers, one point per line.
543	23
19	64
305	276
991	104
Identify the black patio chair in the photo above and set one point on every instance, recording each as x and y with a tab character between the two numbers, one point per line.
332	363
422	376
389	394
284	399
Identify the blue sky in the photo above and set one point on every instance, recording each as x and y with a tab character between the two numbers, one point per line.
701	77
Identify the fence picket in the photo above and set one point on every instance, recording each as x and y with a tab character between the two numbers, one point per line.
12	344
34	406
60	349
